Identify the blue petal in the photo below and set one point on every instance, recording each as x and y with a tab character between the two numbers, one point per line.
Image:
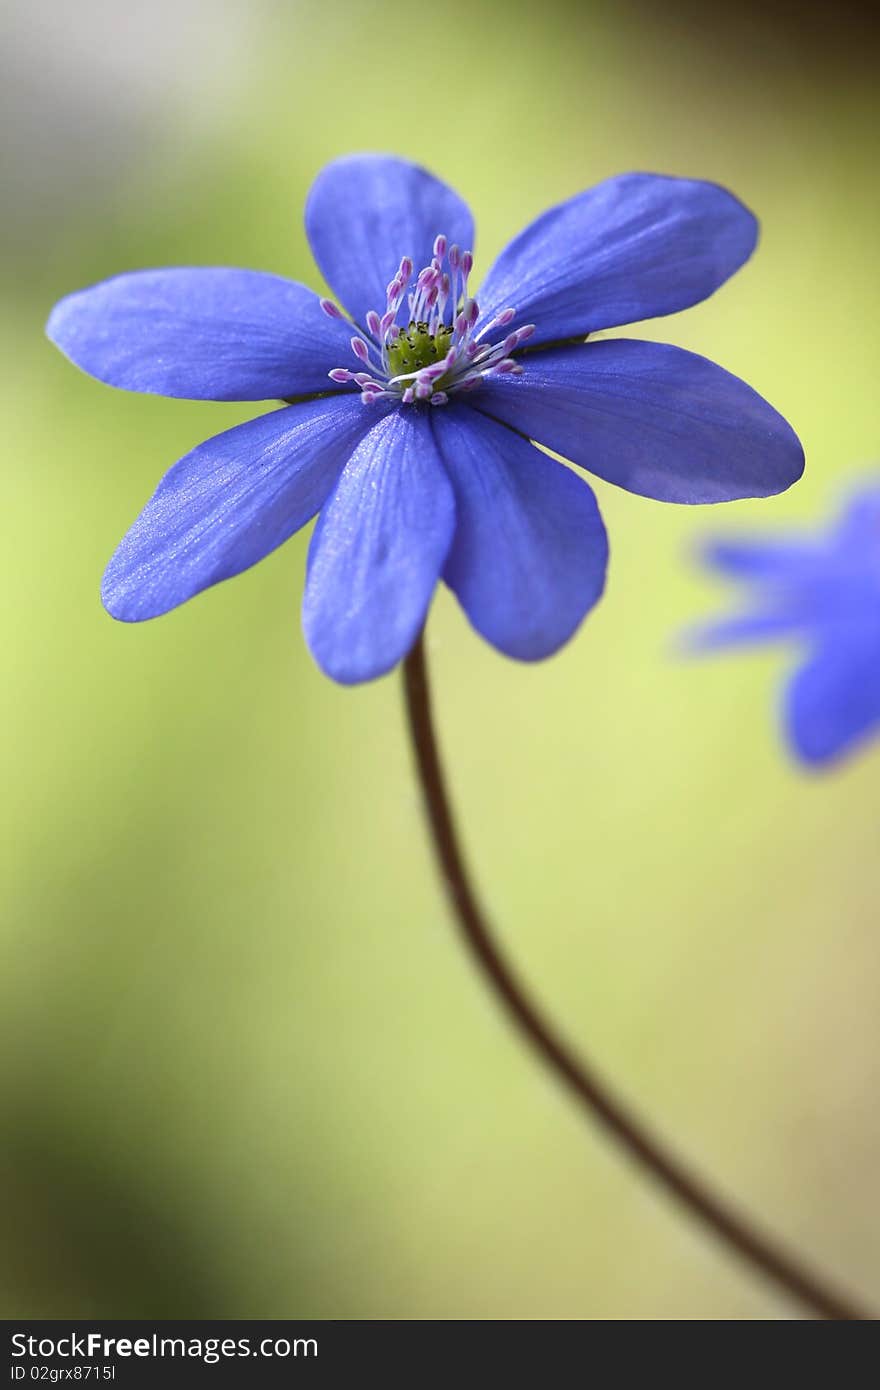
746	629
230	502
529	556
654	419
210	334
367	211
833	702
859	523
770	559
843	549
378	550
633	247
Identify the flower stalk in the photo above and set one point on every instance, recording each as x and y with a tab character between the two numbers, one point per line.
730	1226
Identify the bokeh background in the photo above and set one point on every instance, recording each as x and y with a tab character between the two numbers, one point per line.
246	1070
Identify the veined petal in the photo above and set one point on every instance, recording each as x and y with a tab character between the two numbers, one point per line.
633	247
365	212
833	702
529	556
230	502
651	418
208	333
378	550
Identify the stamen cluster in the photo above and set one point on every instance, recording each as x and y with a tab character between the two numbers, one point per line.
440	349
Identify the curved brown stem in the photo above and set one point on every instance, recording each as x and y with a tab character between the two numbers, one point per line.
730	1226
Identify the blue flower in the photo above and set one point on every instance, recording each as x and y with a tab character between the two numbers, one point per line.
823	593
408	426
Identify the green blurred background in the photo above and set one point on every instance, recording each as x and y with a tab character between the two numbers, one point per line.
246	1070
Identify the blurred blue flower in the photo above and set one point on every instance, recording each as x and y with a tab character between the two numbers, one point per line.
416	453
823	593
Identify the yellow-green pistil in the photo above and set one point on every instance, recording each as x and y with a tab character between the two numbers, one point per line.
418	347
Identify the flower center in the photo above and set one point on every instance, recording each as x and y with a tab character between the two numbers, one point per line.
441	348
418	347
